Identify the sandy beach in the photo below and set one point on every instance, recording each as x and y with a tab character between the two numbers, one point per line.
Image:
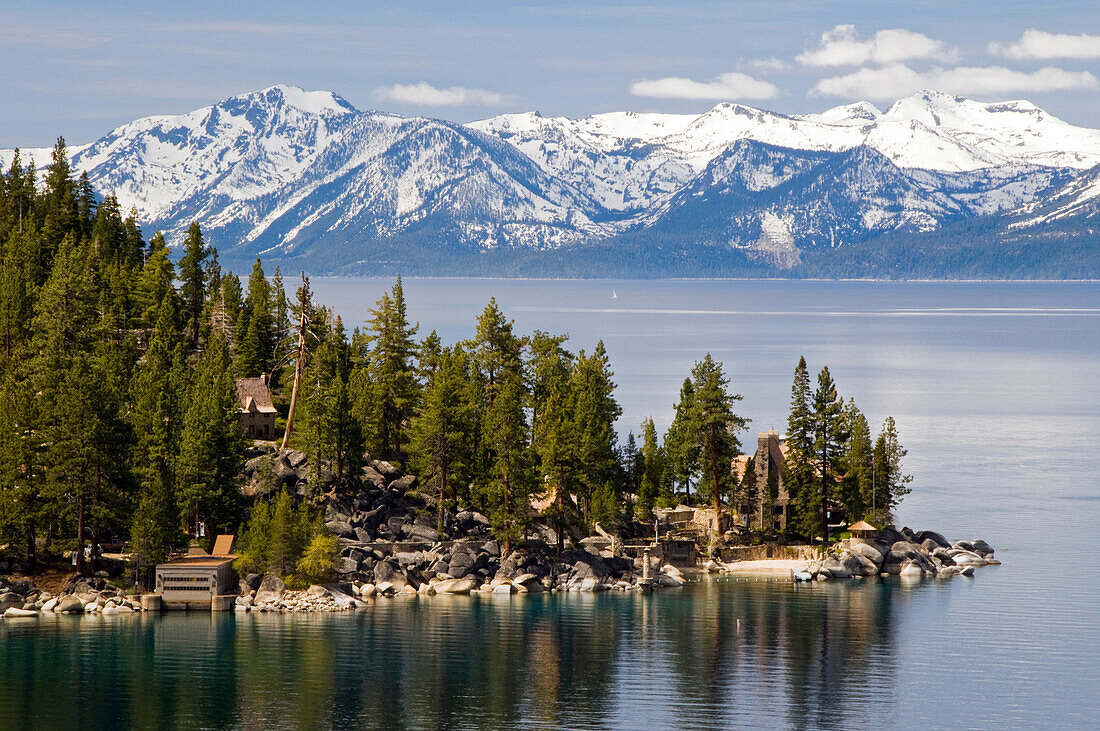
767	566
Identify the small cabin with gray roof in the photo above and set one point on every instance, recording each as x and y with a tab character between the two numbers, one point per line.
255	409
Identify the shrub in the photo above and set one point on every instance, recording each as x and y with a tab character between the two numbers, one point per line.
319	559
276	536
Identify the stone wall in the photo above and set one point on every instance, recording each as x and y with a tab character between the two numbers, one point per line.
766	551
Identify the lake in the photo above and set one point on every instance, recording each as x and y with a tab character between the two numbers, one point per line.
994	387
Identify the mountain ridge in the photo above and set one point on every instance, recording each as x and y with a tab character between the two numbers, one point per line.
303	175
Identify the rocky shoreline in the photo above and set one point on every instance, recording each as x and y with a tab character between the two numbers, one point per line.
390	547
891	552
473	567
590	573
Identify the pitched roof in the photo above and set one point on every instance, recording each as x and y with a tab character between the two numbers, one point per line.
254	395
223	545
862	525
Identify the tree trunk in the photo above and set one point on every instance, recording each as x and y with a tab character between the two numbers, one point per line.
561	518
442	497
714	477
298	365
95	544
508	512
30	546
80	535
824	499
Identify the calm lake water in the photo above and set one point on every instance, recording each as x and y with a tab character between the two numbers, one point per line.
994	387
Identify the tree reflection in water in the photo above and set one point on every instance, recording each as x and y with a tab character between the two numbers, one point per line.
723	652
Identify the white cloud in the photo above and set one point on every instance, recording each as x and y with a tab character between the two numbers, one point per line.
841	46
764	64
897	80
1040	44
426	95
730	85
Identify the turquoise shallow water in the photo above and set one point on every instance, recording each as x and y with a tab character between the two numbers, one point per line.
995	390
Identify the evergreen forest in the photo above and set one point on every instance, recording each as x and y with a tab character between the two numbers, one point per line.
118	406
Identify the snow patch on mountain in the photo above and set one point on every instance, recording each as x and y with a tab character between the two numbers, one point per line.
288	171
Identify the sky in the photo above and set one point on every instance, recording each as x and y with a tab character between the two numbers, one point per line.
81	69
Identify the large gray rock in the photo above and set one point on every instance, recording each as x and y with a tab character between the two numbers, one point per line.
254	464
930	545
420	533
386	469
968	558
834	568
867	551
982	548
893	562
341	528
454	586
904	547
461	565
860	565
69	604
373	477
284	472
10	599
471	520
929	535
943	555
911	568
403	483
346	565
271	589
890	536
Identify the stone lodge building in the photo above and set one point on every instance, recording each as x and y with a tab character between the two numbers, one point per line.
771	507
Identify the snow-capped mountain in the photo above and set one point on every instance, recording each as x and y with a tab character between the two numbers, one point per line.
282	169
292	173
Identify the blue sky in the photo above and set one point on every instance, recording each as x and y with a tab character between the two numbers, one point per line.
79	69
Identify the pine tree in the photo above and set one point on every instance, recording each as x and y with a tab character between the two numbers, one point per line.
714	427
256	327
631	458
681	449
800	455
89	484
155	282
281	334
555	440
442	433
15	300
193	282
549	366
652	469
510	482
85	205
22	464
332	437
393	373
60	197
211	443
746	492
830	437
428	356
892	484
594	412
157	421
856	484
